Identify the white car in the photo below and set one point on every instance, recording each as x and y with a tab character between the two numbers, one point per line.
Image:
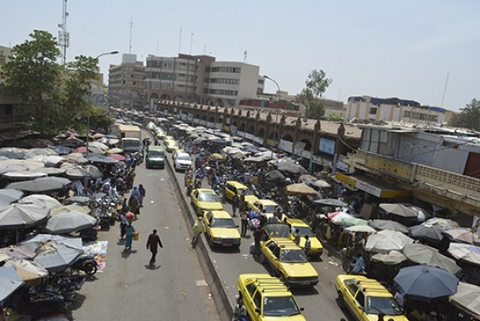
182	161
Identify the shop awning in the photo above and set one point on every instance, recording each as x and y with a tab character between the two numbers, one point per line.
371	185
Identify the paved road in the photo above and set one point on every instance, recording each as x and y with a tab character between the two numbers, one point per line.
319	303
128	289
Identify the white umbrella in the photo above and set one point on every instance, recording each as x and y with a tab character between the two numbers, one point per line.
386	241
52	161
93	170
68	208
71	221
99	145
23	175
465	252
398	209
51	171
9	282
360	229
8	196
18	215
27	270
41	200
467	298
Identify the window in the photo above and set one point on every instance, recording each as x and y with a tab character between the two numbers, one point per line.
251	289
360	298
257	300
373	111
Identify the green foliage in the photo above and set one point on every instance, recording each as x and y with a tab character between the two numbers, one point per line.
469	117
316	84
32	77
52	97
334	118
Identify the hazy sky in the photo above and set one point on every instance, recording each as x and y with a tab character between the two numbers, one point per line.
379	48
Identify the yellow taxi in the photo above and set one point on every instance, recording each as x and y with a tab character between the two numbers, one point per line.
204	200
366	298
266	205
275	230
221	229
160	134
233	188
304	229
171	145
289	262
267	298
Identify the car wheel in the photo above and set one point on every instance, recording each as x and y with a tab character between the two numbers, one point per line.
340	300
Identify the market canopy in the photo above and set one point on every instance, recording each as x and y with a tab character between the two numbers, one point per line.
97	158
27	270
319	183
433	233
424	254
51	171
388	225
41	200
70	221
77	173
300	189
461	234
465	252
93	170
467	298
425	283
392	258
22	215
386	241
398	209
67	208
8	196
10	281
290	168
331	202
23	175
41	185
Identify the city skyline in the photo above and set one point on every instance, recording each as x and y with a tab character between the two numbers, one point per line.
400	49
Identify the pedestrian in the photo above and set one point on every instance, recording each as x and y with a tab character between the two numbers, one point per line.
308	245
120	185
235	201
129	231
143	192
135	193
133	205
257	235
242	201
240	311
296	236
152	244
123	224
244	220
198	228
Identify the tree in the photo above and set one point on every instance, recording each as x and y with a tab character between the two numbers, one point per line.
316	84
469	117
32	76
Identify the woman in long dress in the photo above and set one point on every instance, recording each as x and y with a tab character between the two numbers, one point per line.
129	231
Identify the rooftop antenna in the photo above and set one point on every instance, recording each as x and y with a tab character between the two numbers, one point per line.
191	42
245	53
131	27
63	35
445	88
180	42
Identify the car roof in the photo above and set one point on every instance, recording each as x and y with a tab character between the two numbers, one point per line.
205	190
268	285
236	184
370	286
221	214
298	222
266	202
285	243
155	148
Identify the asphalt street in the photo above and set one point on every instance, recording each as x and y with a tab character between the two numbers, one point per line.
319	302
128	289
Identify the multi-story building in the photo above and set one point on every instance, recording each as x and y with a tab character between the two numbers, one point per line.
201	79
126	83
370	109
176	78
230	82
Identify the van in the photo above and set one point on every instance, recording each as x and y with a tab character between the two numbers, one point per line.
155	157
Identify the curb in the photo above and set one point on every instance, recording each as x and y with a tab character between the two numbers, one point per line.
214	280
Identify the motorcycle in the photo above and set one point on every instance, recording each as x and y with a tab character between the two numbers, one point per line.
86	264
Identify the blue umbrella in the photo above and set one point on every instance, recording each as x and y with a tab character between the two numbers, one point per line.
426	283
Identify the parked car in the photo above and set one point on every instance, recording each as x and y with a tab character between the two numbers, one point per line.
289	262
233	188
204	200
221	229
366	298
267	298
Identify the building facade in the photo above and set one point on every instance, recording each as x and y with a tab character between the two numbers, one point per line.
126	83
369	109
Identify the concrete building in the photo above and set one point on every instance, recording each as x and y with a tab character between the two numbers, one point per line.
229	82
368	109
179	78
126	83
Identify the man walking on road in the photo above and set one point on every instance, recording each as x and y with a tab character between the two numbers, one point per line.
152	244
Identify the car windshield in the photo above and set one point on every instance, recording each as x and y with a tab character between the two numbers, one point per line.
183	157
303	230
387	305
207	197
270	208
277	230
222	222
293	256
172	143
156	153
130	143
280	306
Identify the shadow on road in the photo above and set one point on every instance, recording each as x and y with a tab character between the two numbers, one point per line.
304	291
127	253
78	301
152	267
